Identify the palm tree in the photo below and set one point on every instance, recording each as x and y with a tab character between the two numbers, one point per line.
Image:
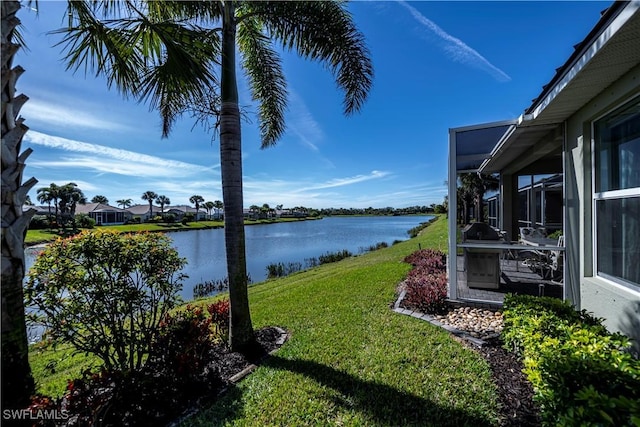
219	206
472	188
125	203
266	209
196	200
149	196
17	381
49	194
44	195
69	197
163	201
253	209
162	57
209	207
100	199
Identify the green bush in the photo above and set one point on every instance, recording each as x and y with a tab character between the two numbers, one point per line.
39	222
156	219
105	292
187	218
334	256
85	221
582	374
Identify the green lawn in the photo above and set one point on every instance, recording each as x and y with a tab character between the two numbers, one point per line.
350	359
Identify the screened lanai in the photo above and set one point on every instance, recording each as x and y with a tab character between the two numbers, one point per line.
495	249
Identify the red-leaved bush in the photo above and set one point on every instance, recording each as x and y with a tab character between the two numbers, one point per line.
427	260
219	312
426	283
427	293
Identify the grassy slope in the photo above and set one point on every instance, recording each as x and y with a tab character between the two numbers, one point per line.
350	359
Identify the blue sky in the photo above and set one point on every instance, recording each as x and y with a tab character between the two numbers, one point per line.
437	65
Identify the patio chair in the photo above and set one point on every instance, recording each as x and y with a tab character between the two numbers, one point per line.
547	264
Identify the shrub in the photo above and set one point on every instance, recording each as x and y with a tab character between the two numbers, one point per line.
39	222
156	219
105	292
184	341
219	312
426	283
211	287
581	373
371	248
427	293
415	231
334	256
427	260
275	270
187	218
281	270
85	221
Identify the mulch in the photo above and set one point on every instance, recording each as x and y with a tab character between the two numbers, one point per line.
515	392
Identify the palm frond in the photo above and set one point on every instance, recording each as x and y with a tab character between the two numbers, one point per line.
268	84
323	31
202	12
91	43
163	62
183	73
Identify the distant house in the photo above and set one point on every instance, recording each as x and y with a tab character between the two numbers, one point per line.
104	214
181	210
40	210
250	214
582	131
142	212
290	213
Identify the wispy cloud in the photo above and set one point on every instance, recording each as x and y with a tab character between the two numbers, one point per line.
341	182
302	123
110	160
56	114
305	127
456	48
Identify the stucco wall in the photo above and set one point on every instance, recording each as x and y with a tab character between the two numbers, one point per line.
620	306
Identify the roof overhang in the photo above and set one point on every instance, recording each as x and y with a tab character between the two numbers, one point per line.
472	145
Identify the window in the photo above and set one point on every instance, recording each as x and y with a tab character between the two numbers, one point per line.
617	195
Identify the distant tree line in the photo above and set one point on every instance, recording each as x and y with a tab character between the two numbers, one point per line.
411	210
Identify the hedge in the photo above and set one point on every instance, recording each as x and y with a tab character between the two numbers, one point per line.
582	375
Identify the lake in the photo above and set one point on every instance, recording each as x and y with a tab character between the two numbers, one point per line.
283	242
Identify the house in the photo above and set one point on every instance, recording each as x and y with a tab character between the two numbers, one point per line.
181	210
104	214
40	210
142	212
584	131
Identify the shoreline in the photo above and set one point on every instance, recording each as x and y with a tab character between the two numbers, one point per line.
152	228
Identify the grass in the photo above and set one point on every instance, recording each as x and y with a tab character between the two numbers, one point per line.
53	366
350	359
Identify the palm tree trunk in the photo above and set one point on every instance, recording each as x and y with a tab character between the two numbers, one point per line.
241	337
17	382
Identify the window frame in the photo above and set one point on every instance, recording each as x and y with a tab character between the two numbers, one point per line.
597	196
